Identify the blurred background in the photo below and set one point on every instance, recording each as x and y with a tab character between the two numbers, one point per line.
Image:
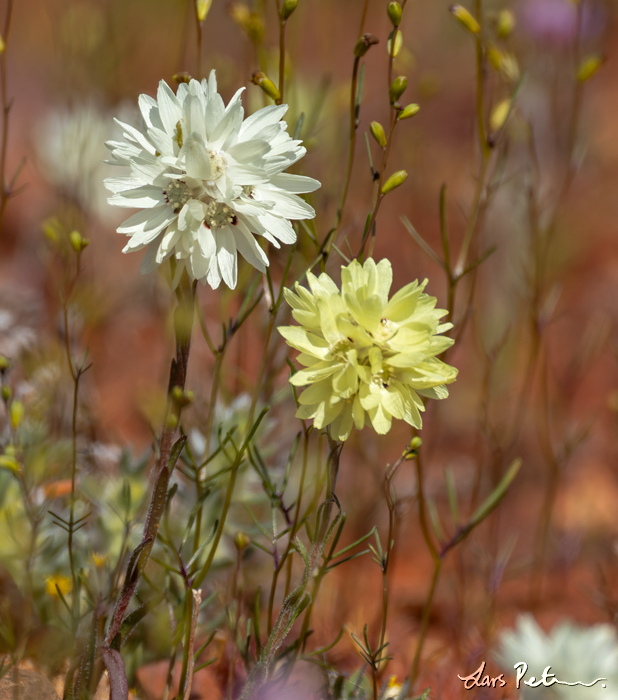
536	323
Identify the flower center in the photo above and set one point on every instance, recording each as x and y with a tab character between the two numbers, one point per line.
218	215
177	194
385	331
341	347
217	165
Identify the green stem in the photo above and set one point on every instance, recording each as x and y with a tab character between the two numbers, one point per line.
6	108
437	567
214	390
293	531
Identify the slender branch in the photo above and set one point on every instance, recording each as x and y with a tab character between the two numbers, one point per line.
161	473
6	108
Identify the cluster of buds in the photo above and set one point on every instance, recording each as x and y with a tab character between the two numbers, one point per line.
179	398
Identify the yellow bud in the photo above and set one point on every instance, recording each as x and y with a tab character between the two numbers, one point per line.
9	462
412	449
172	421
183	77
588	67
16	412
394	13
5	363
364	43
6	392
494	56
398	88
394	181
51	230
377	131
77	242
251	22
2	45
260	79
398	42
201	9
181	397
504	62
287	8
409	111
99	560
499	114
241	541
506	23
466	20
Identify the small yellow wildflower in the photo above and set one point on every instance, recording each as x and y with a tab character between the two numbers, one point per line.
363	354
99	560
63	583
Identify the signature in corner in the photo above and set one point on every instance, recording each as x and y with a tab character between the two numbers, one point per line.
477	679
547	679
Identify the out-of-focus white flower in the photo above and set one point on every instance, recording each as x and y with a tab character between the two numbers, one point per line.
207	182
70	151
575	654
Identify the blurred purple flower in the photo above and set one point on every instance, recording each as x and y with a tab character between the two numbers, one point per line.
556	20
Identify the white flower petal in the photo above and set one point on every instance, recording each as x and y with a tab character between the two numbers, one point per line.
206	241
146	196
267	116
249	248
196	159
280	228
169	109
296	184
147	231
287	205
226	257
120	184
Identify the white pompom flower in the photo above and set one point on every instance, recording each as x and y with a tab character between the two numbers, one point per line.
207	182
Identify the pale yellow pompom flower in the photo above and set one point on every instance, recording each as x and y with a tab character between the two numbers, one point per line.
364	354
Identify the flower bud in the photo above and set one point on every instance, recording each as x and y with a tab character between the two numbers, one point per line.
364	43
9	462
504	62
182	397
398	88
16	413
411	450
588	67
377	131
287	8
201	9
398	42
394	13
251	22
172	421
260	79
241	541
5	363
2	45
99	560
77	242
464	18
6	392
183	77
409	111
499	114
506	23
394	181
